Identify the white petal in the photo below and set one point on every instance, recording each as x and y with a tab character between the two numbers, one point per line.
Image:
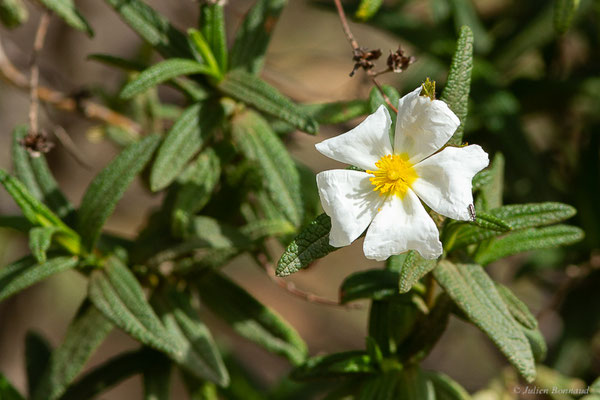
349	199
402	225
364	145
423	126
444	182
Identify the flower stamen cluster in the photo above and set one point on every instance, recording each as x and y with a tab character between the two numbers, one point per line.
394	176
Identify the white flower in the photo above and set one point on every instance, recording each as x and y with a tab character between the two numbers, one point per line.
385	198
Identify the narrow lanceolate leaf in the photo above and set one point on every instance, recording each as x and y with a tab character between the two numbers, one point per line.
250	318
200	355
7	391
252	38
368	8
85	333
490	191
152	27
162	72
347	364
40	239
259	143
527	240
212	24
465	14
458	86
564	11
338	112
157	380
36	176
383	386
255	92
374	284
517	308
414	268
103	194
310	245
67	11
26	272
185	138
414	385
446	388
204	53
115	291
37	356
475	294
13	13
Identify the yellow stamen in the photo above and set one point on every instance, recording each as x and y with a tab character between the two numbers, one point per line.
395	175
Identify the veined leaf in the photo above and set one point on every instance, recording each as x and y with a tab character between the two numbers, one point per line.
13	13
414	385
115	291
475	294
446	388
162	72
367	8
413	269
153	28
385	386
564	11
157	379
311	244
185	138
391	321
490	191
374	284
37	357
253	36
85	333
7	391
204	53
257	93
200	355
212	23
25	272
107	188
347	364
258	142
67	11
516	307
458	86
36	176
527	240
250	318
40	239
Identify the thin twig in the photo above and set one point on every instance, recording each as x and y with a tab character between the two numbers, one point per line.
263	261
385	97
34	79
65	102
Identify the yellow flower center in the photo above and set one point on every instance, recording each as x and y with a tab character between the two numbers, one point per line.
395	175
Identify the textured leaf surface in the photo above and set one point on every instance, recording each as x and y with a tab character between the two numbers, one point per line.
391	321
446	388
490	192
375	283
162	72
85	333
337	112
250	318
310	245
212	23
204	53
40	239
527	240
255	92
564	11
413	269
537	342
189	133
517	308
26	272
458	86
67	11
115	291
37	356
200	355
253	135
475	294
351	363
253	36
107	188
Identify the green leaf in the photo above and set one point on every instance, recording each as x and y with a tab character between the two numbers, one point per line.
200	355
516	307
391	321
67	11
185	138
40	239
37	357
458	86
13	13
107	188
490	192
250	318
367	8
212	23
537	343
253	36
162	72
446	388
204	53
475	294
36	176
157	379
465	14
347	364
264	228
564	11
527	240
115	291
337	112
259	143
196	186
86	332
153	28
376	99
26	272
413	269
371	284
257	93
7	391
311	244
16	222
384	386
118	62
